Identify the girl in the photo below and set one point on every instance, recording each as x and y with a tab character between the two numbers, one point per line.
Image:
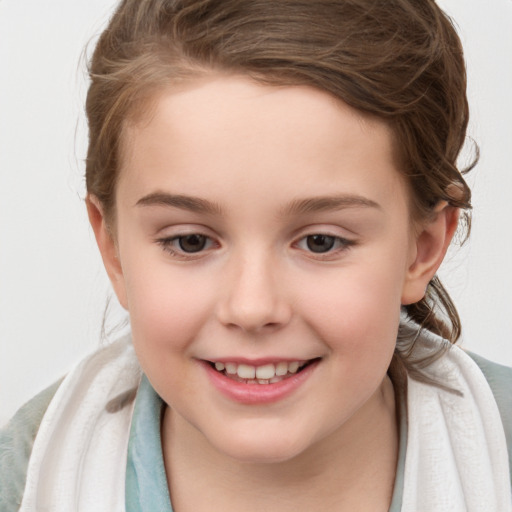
273	186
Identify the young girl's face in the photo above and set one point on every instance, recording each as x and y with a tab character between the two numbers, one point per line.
263	229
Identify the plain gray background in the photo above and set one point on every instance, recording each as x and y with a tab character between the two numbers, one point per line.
52	286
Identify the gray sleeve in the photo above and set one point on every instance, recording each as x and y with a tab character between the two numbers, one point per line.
499	378
16	441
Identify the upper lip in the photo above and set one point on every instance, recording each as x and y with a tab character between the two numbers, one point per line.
258	361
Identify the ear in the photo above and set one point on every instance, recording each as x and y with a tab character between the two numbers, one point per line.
108	247
429	250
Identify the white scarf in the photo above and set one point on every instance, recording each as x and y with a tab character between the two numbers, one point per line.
456	450
457	457
78	461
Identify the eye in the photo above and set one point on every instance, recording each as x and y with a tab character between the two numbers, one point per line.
322	243
185	245
192	243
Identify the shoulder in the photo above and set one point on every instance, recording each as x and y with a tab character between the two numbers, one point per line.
499	378
16	441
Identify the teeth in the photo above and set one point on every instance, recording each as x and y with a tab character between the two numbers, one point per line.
231	368
281	369
265	374
245	371
293	367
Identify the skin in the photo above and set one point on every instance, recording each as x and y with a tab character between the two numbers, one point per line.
255	154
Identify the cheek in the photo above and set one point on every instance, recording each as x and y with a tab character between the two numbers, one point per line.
356	312
167	310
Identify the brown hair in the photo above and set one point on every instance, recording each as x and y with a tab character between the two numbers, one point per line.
400	60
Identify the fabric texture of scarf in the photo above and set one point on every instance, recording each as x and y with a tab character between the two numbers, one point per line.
456	457
78	461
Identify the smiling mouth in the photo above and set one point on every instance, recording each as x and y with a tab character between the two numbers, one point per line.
265	374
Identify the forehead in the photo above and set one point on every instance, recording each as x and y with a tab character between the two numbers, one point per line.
258	138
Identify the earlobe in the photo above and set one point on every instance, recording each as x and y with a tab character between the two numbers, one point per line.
107	247
431	245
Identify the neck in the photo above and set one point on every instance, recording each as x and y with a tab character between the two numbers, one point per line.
351	469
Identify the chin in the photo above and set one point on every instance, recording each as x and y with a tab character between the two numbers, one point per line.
262	448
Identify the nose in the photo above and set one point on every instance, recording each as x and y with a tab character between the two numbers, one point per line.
254	299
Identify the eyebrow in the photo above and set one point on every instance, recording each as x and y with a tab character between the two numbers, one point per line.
190	203
296	207
329	203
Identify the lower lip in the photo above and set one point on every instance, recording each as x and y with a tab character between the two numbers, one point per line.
258	393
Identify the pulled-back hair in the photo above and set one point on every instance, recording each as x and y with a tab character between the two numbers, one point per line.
399	60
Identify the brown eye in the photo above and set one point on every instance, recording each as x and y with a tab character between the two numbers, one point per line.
192	243
320	243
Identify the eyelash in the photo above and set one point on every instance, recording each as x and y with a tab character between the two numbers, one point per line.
168	245
339	244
